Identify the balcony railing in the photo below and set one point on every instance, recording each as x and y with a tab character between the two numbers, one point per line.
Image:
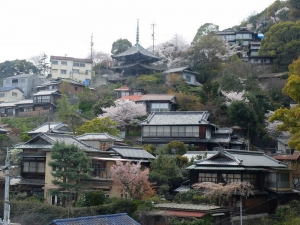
103	173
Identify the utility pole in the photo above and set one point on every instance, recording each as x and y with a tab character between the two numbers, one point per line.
6	220
92	43
153	25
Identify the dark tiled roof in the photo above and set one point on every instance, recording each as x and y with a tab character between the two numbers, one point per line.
98	136
136	65
112	219
134	50
51	139
71	59
240	159
131	152
177	118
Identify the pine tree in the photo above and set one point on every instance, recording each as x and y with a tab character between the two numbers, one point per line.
70	165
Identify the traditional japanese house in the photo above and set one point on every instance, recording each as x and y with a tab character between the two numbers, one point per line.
192	128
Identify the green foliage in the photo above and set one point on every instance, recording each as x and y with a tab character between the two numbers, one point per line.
230	82
71	166
205	29
187	102
16	67
187	196
209	91
204	221
149	148
91	198
242	115
106	102
166	173
121	45
99	125
176	147
67	113
282	41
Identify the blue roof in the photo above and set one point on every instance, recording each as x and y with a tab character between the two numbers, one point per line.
112	219
9	88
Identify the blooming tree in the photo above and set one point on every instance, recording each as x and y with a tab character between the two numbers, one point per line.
131	178
233	96
271	127
223	192
125	112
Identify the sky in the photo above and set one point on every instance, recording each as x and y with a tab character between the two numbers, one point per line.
64	27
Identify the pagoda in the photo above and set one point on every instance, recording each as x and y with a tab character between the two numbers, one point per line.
136	60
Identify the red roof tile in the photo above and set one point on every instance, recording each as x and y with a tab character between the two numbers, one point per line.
133	98
185	214
293	157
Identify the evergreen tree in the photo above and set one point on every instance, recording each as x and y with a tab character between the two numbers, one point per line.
70	165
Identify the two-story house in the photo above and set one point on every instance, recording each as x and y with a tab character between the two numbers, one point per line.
11	94
45	100
269	177
186	73
74	68
36	174
192	128
26	82
101	141
127	91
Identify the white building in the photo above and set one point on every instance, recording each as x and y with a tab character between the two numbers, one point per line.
74	68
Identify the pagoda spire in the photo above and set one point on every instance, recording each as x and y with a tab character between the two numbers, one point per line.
137	33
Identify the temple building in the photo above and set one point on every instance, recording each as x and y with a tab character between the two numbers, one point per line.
135	60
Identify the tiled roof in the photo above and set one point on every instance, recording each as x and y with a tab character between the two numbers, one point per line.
44	128
174	70
240	159
112	219
20	76
137	49
131	152
153	97
71	59
198	207
10	88
177	118
46	92
133	98
294	157
26	101
51	138
98	136
8	104
178	213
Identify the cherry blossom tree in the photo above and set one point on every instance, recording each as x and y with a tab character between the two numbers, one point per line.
233	96
125	112
271	127
131	178
224	192
173	51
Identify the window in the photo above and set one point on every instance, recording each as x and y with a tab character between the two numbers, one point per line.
250	178
75	88
178	131
75	71
63	71
34	167
82	65
2	95
54	70
38	99
159	107
14	94
64	63
86	72
76	64
208	177
188	78
54	62
14	81
192	131
163	131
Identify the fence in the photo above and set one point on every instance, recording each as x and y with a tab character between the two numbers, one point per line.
33	113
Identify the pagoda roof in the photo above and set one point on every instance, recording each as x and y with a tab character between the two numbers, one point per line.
137	49
136	66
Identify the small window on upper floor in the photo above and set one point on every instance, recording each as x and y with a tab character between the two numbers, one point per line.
75	88
63	71
2	95
14	94
54	62
64	63
75	71
188	78
76	64
82	65
14	81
